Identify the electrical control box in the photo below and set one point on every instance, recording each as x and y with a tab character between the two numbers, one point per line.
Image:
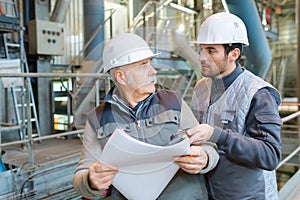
45	38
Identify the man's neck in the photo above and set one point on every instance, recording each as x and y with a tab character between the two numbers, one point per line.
229	79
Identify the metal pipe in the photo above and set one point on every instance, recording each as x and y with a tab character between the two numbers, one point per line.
298	60
95	33
29	125
155	25
93	16
10	128
258	61
42	138
60	11
145	7
288	157
289	117
54	75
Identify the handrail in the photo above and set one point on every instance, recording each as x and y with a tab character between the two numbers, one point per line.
288	157
45	75
54	75
291	155
140	14
42	138
161	5
97	30
112	11
100	27
92	37
289	117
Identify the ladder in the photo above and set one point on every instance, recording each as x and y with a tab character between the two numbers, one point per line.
8	47
18	91
19	100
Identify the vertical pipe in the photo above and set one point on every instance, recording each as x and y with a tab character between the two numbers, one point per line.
155	27
27	11
23	60
130	12
144	25
1	96
29	131
298	48
258	60
298	62
60	11
29	125
111	24
93	13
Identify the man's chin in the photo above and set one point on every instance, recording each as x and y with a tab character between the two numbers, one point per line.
207	74
151	88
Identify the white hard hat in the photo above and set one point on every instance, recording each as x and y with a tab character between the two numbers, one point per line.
223	28
123	49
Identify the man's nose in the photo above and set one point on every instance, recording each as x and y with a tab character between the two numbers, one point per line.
152	70
202	55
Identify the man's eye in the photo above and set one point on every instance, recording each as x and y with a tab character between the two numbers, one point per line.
145	66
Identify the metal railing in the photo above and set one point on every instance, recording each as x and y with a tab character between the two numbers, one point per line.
292	154
30	139
56	75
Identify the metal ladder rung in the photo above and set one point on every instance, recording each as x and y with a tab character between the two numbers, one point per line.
32	120
21	105
13	44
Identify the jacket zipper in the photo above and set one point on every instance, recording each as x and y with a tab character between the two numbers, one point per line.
208	114
137	117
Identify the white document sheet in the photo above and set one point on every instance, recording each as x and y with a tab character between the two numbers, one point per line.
144	169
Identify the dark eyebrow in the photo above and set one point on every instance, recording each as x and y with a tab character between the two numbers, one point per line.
210	48
145	61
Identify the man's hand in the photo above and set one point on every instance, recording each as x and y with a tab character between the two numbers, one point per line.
101	176
194	162
200	133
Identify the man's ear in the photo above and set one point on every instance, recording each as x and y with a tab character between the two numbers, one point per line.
120	76
234	54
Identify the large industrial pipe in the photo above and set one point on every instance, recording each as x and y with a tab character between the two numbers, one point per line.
93	16
182	47
60	11
258	53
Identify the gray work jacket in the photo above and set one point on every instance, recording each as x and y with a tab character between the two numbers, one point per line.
247	132
156	119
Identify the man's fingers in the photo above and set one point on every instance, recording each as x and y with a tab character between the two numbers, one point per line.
101	175
192	131
190	164
99	168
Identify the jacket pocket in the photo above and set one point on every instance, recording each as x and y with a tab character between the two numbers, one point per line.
227	120
269	119
160	127
268	124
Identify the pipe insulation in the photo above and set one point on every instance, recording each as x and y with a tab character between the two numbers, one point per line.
258	53
60	10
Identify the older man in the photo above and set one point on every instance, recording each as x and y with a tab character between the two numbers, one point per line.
148	114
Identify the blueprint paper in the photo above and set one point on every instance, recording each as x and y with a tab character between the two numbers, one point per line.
144	169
